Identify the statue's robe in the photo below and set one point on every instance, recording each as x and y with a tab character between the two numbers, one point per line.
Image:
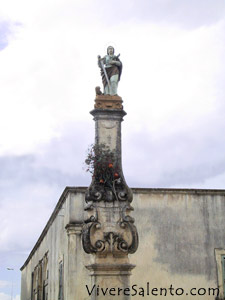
112	70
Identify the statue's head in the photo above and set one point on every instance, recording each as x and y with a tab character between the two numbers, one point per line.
110	50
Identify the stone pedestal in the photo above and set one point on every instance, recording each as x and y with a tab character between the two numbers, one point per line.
108	102
109	233
110	281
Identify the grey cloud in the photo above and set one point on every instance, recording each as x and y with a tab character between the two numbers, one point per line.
188	14
189	157
60	162
4	32
17	170
7	28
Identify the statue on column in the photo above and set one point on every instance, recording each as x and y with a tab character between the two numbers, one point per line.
111	69
108	233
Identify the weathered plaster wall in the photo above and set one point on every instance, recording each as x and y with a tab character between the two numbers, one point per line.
178	232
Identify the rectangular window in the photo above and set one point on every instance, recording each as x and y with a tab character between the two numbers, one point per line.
32	286
45	292
60	281
45	277
34	289
223	273
39	280
220	261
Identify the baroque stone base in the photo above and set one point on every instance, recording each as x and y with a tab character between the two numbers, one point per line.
110	281
108	102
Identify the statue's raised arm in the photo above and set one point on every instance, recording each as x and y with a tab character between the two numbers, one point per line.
111	69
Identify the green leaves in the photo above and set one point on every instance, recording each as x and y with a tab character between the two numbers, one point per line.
101	163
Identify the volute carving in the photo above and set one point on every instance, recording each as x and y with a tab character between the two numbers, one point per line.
102	237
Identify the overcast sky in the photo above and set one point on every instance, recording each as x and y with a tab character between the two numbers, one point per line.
173	54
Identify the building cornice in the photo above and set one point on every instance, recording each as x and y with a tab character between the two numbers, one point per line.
178	191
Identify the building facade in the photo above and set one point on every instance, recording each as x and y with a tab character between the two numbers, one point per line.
181	250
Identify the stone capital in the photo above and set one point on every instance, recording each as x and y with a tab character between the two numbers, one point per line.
108	114
74	228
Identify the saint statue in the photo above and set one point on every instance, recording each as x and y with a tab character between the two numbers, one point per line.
111	69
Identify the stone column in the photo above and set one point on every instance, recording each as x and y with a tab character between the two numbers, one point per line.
73	265
109	233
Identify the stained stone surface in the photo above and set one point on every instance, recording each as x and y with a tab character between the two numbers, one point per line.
108	102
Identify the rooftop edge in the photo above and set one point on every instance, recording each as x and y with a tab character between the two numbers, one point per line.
135	190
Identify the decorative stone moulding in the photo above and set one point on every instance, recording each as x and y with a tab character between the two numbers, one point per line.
119	191
110	230
108	102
